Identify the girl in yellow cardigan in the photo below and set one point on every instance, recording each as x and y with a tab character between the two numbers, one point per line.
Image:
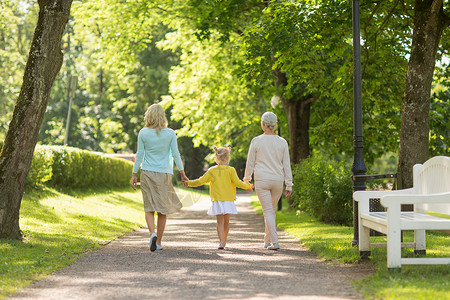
223	181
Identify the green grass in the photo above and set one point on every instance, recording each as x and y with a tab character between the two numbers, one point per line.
333	243
61	226
58	227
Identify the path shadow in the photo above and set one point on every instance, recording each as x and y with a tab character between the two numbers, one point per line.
191	266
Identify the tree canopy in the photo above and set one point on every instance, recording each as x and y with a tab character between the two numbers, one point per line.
217	66
212	62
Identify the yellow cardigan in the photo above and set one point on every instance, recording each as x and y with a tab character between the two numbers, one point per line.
223	181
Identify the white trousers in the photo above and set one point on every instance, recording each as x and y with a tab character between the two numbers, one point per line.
269	193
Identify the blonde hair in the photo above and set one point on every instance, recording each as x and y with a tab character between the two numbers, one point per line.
222	154
270	120
155	117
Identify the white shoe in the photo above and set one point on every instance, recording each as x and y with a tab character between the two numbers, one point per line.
153	242
267	245
159	247
275	246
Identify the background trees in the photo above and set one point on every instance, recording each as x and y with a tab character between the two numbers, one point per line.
430	21
304	48
215	65
214	105
44	62
300	51
17	24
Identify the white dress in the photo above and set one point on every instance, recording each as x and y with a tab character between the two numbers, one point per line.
222	208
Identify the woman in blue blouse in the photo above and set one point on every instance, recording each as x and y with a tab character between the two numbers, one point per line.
157	149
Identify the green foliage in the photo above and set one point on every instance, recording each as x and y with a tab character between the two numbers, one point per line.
334	243
121	29
323	189
107	110
41	167
311	42
330	242
224	17
124	52
215	108
67	167
440	121
17	23
77	168
59	227
112	50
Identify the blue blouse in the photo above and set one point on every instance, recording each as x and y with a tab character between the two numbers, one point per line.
157	152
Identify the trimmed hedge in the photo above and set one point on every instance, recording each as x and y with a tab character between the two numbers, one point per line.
80	168
61	166
41	167
323	190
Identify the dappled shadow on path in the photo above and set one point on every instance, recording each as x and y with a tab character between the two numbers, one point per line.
191	266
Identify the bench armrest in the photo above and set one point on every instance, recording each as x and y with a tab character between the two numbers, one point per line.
363	197
397	200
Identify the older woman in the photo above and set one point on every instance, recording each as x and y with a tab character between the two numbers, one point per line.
157	148
268	160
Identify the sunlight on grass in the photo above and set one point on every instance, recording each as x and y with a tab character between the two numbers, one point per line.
327	241
333	243
59	227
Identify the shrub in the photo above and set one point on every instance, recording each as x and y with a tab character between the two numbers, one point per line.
61	166
41	167
77	168
323	190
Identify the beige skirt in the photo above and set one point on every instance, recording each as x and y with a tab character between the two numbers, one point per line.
158	193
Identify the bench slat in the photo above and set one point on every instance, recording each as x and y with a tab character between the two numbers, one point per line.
409	221
374	224
426	261
430	191
384	245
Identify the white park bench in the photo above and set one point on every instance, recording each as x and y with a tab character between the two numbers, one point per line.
430	193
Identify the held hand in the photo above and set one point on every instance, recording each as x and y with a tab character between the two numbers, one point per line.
250	190
183	176
288	193
133	181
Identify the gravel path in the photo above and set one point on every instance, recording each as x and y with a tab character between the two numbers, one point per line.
191	266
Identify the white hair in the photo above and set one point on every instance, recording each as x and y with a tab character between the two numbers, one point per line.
270	120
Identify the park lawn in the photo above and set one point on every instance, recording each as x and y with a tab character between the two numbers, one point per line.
333	243
62	226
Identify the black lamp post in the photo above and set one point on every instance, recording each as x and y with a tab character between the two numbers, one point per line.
358	168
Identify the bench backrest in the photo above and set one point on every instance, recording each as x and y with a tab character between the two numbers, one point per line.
433	177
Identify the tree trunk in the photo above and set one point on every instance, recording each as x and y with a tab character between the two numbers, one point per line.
429	23
298	112
44	62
